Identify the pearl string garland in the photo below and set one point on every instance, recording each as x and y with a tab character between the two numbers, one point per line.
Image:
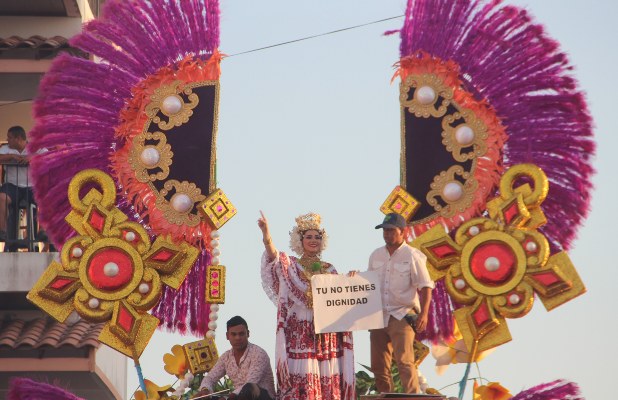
214	308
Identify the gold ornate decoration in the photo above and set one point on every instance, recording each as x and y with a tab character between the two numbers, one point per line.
215	284
309	221
169	102
425	83
202	355
400	202
471	134
462	193
177	215
217	209
161	154
110	272
495	265
421	351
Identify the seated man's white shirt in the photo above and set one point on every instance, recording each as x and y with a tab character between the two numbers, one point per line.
402	275
254	367
17	174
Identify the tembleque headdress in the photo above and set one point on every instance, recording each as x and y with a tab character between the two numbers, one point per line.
305	222
496	148
128	187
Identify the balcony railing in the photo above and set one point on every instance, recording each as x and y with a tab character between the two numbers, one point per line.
19	229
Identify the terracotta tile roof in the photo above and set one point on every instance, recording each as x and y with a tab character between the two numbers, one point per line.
34	42
48	332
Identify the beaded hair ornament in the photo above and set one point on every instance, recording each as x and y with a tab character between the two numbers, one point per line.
306	222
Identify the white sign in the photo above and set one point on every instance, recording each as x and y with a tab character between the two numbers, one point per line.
342	303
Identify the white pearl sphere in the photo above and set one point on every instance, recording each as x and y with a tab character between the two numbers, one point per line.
422	379
460	284
111	269
531	247
212	325
130	236
215	261
492	264
189	376
181	202
72	319
216	252
425	95
514	298
183	384
452	191
423	387
93	303
213	316
171	105
464	135
143	288
150	156
474	230
214	307
210	334
214	243
214	234
77	252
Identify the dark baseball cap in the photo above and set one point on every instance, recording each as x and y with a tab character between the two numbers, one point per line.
393	220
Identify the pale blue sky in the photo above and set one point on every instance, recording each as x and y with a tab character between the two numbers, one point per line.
314	126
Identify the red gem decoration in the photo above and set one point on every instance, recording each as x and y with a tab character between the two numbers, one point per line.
546	278
505	256
481	315
125	319
61	283
97	220
96	269
511	213
163	255
443	250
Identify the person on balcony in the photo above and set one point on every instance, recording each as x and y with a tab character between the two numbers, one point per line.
14	158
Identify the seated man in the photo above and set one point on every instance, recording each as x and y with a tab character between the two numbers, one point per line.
17	185
246	364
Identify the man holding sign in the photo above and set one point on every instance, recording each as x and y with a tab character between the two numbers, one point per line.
406	290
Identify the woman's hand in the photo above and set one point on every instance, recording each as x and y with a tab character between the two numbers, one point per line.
268	243
263	225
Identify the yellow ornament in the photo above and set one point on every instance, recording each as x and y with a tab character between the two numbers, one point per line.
110	272
495	265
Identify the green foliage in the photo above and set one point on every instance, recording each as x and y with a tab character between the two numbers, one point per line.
224	383
366	384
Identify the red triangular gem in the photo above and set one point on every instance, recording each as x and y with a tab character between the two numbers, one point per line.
481	315
60	283
125	319
97	220
163	255
443	250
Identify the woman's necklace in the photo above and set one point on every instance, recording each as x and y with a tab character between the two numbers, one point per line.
311	266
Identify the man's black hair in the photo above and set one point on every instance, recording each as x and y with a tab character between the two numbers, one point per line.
18	132
235	321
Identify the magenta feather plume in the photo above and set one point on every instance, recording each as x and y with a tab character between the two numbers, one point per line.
79	105
80	100
27	389
556	390
509	61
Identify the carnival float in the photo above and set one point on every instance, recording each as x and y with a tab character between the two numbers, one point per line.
496	147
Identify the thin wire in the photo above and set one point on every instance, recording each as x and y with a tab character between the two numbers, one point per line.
278	44
316	36
15	102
